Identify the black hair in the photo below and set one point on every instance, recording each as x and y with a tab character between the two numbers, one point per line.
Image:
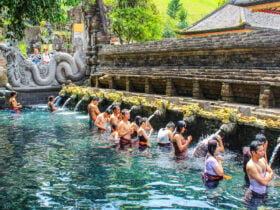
212	146
260	137
170	125
124	111
13	94
50	98
138	119
95	98
114	126
114	107
254	146
180	125
108	111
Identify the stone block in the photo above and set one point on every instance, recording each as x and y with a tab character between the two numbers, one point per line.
206	106
246	111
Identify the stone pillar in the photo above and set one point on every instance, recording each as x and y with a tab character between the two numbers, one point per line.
148	86
97	82
170	89
197	92
266	98
127	84
226	92
111	82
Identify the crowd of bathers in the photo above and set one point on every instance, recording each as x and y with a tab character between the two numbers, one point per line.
137	134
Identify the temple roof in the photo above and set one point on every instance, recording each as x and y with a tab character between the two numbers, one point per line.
251	2
231	18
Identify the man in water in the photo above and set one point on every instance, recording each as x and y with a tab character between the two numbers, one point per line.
102	119
14	105
115	116
164	138
201	149
247	154
259	173
36	57
124	129
93	110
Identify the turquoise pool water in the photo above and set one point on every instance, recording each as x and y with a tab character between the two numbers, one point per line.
53	160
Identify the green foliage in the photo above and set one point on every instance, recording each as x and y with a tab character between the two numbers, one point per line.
168	32
135	20
183	19
22	47
173	8
221	2
15	12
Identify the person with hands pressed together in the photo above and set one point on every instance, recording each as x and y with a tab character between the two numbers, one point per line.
179	142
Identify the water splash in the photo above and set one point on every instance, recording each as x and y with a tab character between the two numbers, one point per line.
156	113
66	102
57	101
78	104
275	151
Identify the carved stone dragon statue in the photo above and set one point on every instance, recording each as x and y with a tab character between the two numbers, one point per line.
22	72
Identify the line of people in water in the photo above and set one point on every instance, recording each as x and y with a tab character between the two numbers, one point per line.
128	134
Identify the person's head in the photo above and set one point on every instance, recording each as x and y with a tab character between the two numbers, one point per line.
116	109
138	119
142	122
125	114
51	98
170	125
181	126
114	126
36	51
13	94
212	147
257	149
107	112
45	50
95	100
261	138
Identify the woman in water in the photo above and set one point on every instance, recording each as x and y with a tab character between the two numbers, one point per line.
179	142
214	171
143	137
51	106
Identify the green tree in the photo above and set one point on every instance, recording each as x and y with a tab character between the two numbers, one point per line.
135	20
173	8
14	13
182	19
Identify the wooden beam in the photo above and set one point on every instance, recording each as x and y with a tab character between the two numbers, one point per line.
273	5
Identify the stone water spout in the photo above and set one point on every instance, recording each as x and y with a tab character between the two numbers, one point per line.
275	152
201	148
159	113
68	100
135	107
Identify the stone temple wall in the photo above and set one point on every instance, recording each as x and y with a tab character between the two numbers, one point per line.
234	67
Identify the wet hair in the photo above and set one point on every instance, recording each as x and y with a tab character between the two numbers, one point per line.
95	98
50	98
180	125
114	107
124	111
13	94
138	119
170	125
108	111
114	126
260	137
254	146
212	146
